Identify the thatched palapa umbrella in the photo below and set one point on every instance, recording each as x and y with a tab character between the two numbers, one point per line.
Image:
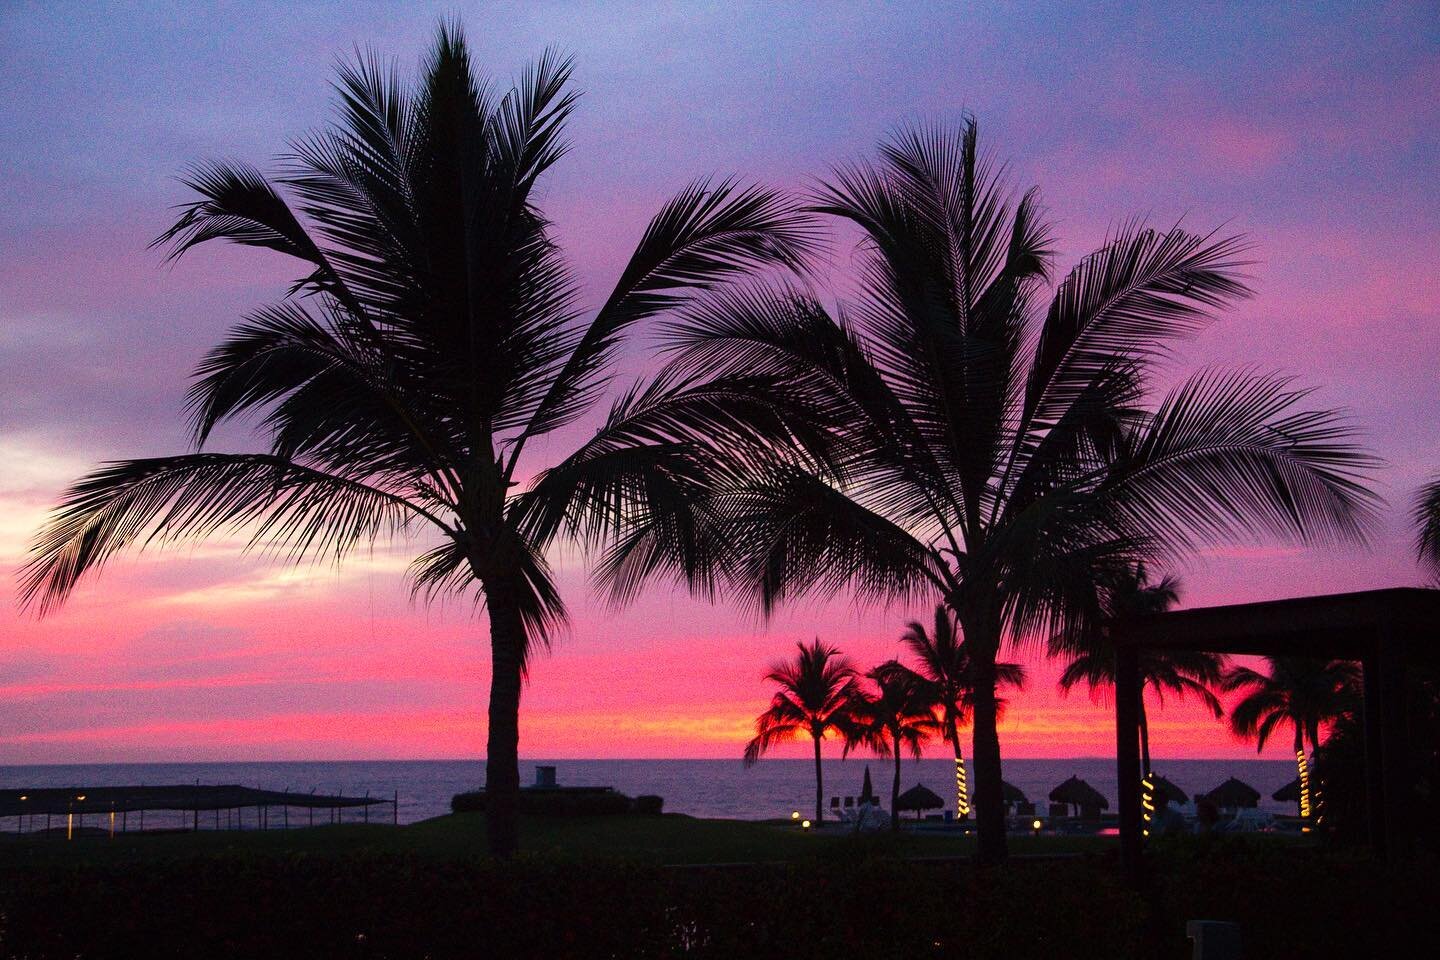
918	798
1165	789
1290	793
1013	795
1084	798
1234	794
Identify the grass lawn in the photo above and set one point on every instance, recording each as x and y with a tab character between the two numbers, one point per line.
666	839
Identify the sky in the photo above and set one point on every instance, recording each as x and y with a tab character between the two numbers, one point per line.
1314	130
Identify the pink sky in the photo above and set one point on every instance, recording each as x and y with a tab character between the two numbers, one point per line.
1314	132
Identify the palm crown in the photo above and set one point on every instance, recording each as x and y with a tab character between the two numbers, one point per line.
897	716
433	332
951	431
1092	655
1304	692
815	698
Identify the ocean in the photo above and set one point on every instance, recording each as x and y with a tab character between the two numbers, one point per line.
701	788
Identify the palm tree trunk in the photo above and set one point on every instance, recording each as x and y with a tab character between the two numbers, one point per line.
1145	770
819	786
895	791
989	795
502	753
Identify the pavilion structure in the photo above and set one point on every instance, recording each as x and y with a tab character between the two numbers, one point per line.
1383	630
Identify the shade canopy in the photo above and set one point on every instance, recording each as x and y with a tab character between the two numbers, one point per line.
919	797
1234	793
1290	793
1011	794
82	800
1168	790
867	792
1079	793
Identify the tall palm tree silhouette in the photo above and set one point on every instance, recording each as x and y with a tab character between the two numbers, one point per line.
816	696
898	715
1180	672
953	433
432	335
945	665
1304	692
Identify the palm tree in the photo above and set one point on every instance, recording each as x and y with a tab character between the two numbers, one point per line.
1305	692
816	695
945	665
950	433
432	333
896	716
1180	672
1427	519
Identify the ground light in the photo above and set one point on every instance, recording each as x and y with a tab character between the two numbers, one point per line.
804	824
1036	826
794	814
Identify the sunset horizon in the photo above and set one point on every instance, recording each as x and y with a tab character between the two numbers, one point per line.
203	650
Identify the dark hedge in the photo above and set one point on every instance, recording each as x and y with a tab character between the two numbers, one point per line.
1291	905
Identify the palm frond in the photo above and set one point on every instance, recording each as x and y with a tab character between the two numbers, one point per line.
1229	455
287	507
1426	516
705	235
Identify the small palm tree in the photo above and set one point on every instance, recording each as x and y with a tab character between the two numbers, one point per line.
431	337
816	695
1179	672
1304	692
898	715
1427	519
945	664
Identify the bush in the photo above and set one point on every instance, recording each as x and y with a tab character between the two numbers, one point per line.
398	907
648	804
555	803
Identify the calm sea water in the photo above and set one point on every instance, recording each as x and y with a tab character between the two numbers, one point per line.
702	788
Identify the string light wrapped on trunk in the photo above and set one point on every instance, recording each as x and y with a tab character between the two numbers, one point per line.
962	789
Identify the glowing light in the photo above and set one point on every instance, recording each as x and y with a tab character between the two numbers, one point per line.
962	789
794	814
70	826
804	824
80	797
1147	802
24	796
1037	825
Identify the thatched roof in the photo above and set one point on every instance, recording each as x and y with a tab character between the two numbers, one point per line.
1234	793
1168	790
919	797
1290	793
1079	793
1012	794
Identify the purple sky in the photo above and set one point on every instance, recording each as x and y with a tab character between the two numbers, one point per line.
1315	130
